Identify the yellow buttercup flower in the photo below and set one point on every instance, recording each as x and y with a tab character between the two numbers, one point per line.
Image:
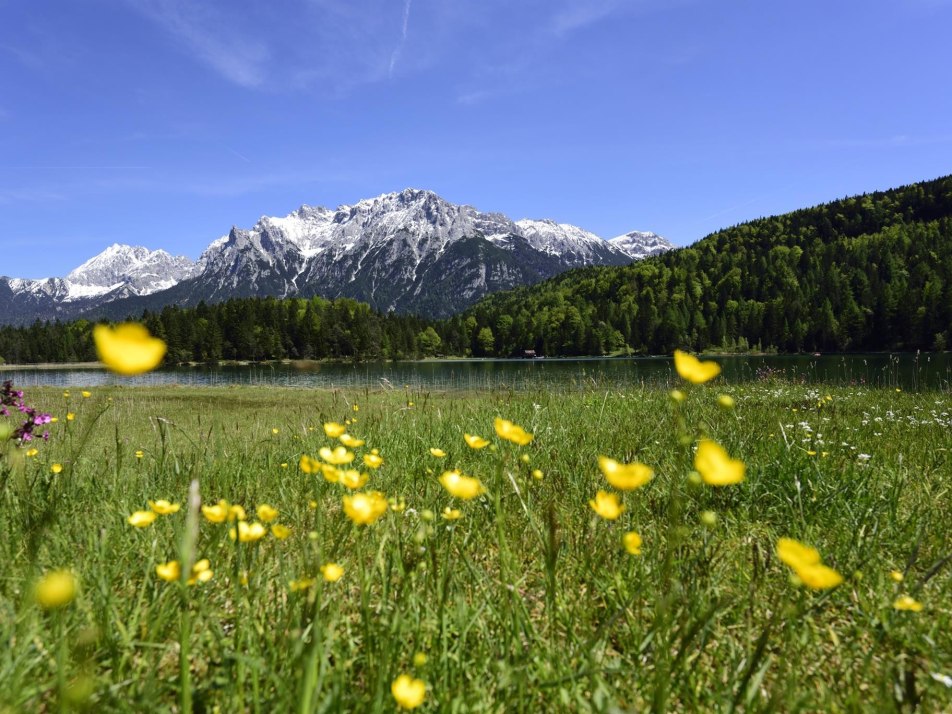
475	442
236	513
365	508
350	442
275	431
128	348
438	453
694	370
715	466
57	468
332	572
32	452
805	562
140	454
897	575
280	532
169	572
373	461
352	479
247	532
163	507
301	584
537	474
86	395
337	456
333	429
267	513
725	401
632	542
70	416
408	692
141	519
505	429
625	477
331	473
452	514
908	603
309	465
460	486
201	573
419	659
217	513
607	505
56	589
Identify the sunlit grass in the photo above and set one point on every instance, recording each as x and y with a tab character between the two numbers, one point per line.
507	594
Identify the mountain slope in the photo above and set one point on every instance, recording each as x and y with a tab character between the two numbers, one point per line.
871	272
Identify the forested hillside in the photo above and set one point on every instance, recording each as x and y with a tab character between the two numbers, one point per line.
872	272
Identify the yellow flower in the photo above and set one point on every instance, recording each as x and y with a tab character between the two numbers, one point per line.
397	505
201	573
275	431
141	519
906	602
677	395
32	452
86	395
236	513
625	477
66	395
128	348
333	429
475	442
350	442
408	692
805	562
301	584
309	465
353	479
139	454
725	401
248	533
460	486
57	468
897	575
56	589
169	572
337	457
217	513
284	464
693	370
505	429
419	659
331	473
537	474
452	514
267	513
606	505
332	572
438	453
373	461
163	507
715	466
365	508
280	532
632	543
356	409
70	416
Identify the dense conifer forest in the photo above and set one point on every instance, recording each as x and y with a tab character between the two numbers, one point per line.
871	272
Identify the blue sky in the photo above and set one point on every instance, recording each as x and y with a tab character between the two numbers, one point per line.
165	122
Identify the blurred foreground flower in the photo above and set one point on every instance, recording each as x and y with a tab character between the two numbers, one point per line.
56	589
333	429
332	572
460	486
408	692
141	519
337	457
715	466
248	532
505	429
694	370
606	505
163	507
625	477
805	562
475	442
632	542
908	603
365	508
128	348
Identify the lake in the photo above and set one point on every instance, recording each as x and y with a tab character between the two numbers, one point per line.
906	371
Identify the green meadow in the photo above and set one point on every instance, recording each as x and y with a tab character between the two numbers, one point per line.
529	601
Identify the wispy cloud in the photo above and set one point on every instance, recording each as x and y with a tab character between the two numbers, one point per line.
211	38
576	15
403	36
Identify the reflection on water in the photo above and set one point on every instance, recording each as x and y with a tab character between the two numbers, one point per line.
906	371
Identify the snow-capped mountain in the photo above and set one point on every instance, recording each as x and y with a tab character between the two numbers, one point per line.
410	251
641	244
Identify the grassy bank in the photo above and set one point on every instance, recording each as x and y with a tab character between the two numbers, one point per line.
529	601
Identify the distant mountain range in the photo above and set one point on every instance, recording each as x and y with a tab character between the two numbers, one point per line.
409	252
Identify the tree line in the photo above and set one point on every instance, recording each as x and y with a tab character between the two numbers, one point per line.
871	272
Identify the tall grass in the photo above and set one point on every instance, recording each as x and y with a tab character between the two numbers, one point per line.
529	602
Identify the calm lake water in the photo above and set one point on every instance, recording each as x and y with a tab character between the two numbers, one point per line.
908	371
